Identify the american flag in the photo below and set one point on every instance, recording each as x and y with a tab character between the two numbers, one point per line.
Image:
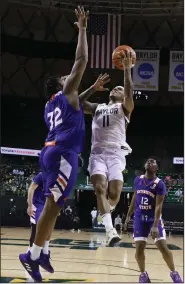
105	33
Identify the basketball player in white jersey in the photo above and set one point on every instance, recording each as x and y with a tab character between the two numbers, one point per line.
109	148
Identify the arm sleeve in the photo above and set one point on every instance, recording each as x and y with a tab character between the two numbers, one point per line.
161	188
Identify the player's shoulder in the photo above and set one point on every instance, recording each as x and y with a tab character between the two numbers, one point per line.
160	182
136	180
55	98
101	105
38	178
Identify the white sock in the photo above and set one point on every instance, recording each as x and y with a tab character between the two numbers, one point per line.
46	247
35	252
107	221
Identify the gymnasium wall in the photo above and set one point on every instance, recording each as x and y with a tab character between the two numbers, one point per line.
19	217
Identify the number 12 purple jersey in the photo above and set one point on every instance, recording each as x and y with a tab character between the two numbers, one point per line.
66	125
146	191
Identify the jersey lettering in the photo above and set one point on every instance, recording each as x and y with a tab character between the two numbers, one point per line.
106	121
54	118
107	111
108	127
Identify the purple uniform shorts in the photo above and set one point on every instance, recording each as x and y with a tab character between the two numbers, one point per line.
142	228
60	168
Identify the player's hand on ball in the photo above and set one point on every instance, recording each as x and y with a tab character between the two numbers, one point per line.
82	17
100	82
126	58
30	211
154	232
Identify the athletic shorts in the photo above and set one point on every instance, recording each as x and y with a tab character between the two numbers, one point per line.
109	163
142	230
37	210
60	168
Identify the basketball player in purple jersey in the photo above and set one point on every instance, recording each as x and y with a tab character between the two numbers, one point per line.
146	204
36	200
59	158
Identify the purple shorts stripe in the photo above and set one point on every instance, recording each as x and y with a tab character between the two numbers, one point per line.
63	175
59	186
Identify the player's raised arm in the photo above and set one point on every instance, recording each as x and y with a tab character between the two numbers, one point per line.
89	108
128	84
73	80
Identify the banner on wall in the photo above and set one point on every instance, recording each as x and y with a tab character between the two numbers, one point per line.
98	223
146	70
19	151
176	71
178	160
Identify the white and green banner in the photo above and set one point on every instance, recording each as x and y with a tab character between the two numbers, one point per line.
146	70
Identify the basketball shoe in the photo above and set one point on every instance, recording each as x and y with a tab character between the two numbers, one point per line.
175	277
44	262
144	278
112	237
31	266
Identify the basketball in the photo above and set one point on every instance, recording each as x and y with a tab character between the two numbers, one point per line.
116	56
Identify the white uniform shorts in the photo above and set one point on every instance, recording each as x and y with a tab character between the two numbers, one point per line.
107	162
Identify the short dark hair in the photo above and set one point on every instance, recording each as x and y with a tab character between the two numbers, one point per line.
156	159
52	86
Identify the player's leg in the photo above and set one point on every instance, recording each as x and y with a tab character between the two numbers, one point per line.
100	185
45	252
98	172
114	192
32	235
141	232
35	257
62	168
166	253
140	254
116	163
99	182
33	227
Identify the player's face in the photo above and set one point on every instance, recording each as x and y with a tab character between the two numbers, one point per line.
117	94
151	165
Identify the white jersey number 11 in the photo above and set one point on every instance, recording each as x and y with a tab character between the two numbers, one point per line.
106	121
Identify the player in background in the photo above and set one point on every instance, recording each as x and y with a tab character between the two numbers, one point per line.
146	204
109	148
64	117
36	200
